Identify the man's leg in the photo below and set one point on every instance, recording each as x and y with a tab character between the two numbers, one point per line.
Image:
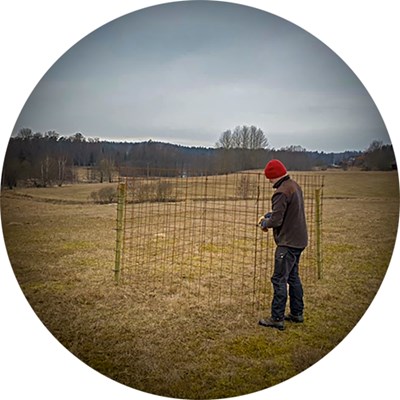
284	261
295	287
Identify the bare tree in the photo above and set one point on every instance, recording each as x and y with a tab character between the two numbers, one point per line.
225	140
78	137
258	140
106	168
237	138
51	135
243	137
375	146
246	187
61	162
25	134
45	166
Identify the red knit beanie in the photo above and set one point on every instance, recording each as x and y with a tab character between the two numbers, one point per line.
274	169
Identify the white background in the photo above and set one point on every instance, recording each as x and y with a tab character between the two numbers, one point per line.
34	34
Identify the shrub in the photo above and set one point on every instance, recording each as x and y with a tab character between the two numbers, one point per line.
246	188
105	195
158	191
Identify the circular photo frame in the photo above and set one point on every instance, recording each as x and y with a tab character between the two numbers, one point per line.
139	173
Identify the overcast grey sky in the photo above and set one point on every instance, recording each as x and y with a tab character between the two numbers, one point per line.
185	72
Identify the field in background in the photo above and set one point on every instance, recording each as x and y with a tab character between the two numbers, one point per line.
61	247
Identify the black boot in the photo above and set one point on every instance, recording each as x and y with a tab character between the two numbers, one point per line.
294	318
271	323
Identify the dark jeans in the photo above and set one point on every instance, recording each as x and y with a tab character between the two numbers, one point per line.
286	272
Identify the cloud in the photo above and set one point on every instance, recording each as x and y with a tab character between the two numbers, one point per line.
188	71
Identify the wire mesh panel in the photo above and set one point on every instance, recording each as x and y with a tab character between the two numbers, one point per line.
196	236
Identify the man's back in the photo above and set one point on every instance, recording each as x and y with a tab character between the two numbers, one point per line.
289	221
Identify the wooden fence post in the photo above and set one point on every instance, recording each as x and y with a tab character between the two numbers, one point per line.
121	192
318	231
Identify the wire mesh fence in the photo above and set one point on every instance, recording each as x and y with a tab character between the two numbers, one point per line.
195	236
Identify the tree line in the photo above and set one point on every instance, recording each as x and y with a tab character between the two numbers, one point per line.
44	159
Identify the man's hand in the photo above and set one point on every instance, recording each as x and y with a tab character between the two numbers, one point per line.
262	223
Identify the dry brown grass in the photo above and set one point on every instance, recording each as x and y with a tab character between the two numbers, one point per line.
63	254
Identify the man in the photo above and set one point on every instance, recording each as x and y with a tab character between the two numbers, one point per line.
288	222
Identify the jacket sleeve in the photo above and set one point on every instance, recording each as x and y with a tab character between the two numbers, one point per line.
279	205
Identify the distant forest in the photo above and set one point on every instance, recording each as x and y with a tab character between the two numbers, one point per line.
45	159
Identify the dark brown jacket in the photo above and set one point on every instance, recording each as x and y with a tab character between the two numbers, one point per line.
288	217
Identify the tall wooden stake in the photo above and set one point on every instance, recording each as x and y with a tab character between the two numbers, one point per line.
121	191
318	231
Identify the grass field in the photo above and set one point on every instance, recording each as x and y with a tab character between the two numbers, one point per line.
61	248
